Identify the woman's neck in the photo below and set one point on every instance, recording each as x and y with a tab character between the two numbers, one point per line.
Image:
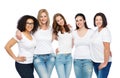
100	28
27	32
62	29
82	29
28	35
44	27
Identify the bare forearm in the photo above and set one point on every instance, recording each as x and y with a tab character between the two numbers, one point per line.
9	51
106	52
8	47
106	55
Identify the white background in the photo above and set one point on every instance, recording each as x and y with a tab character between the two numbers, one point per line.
12	10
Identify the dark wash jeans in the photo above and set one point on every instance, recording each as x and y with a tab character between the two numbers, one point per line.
25	70
103	73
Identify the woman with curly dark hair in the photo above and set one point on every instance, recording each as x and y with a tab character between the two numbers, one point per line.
24	61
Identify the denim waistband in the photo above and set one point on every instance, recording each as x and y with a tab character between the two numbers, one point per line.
43	54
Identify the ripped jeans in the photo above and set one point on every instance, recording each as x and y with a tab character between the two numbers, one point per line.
83	68
44	64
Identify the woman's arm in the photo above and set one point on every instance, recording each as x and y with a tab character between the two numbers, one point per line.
8	47
54	37
106	55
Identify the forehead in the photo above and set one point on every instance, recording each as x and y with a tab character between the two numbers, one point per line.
43	14
29	20
79	17
98	17
58	17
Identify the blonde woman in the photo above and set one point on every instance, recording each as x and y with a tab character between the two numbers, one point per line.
44	57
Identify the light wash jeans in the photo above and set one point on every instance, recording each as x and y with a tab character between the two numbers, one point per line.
103	73
63	65
44	64
83	68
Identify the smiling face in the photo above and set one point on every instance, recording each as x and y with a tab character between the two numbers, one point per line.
60	20
79	21
29	25
43	18
98	21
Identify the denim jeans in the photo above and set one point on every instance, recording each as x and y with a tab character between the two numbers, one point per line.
63	65
103	73
83	68
25	70
44	64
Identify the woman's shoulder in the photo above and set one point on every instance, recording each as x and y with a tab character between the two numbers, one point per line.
91	30
105	29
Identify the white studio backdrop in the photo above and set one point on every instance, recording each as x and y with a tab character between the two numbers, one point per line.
12	10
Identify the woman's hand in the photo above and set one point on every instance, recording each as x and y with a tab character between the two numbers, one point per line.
102	65
57	51
20	59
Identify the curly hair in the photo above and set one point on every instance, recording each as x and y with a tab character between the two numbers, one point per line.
21	25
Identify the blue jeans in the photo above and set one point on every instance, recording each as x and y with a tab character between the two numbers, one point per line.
103	73
63	65
44	64
83	68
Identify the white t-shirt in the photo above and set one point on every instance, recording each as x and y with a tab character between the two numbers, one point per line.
44	41
26	48
97	47
82	45
64	42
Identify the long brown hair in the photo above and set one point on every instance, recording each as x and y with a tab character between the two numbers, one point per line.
56	27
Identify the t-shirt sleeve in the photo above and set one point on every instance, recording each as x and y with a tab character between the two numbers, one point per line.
106	35
16	39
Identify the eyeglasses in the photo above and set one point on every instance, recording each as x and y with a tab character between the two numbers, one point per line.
30	23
